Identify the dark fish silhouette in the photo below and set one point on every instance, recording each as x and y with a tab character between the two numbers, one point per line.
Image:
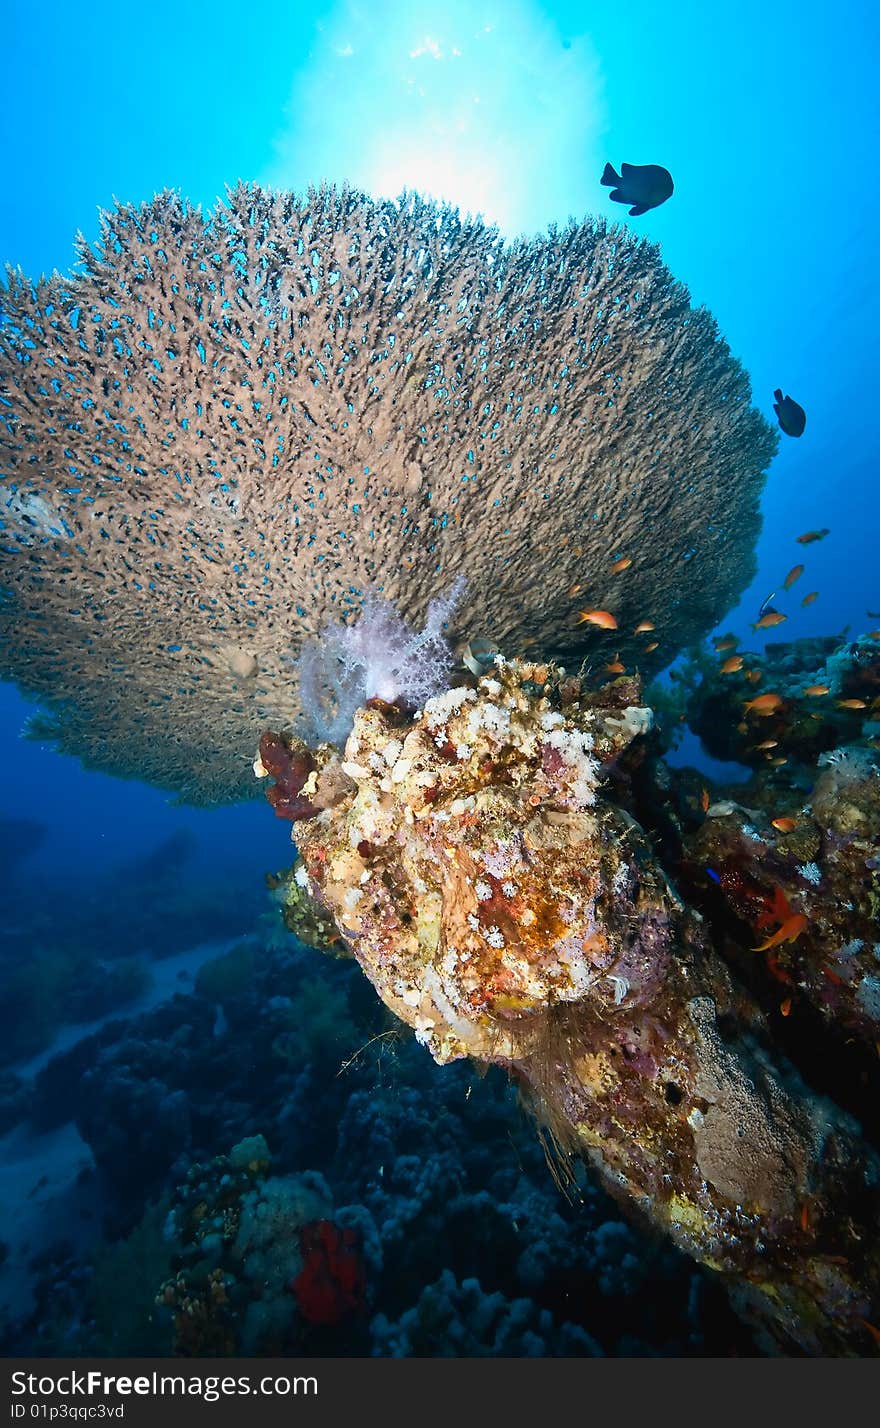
792	418
643	185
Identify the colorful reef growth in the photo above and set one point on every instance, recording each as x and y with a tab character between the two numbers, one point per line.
507	909
788	867
253	1271
332	1282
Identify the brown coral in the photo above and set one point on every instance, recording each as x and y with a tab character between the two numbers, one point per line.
229	426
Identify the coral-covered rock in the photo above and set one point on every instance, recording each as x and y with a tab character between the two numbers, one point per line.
461	830
821	864
825	693
506	910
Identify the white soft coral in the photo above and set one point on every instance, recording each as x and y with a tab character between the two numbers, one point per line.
379	657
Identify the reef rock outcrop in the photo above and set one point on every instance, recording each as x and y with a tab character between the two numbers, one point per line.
507	910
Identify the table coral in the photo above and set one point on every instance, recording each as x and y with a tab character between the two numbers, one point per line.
231	428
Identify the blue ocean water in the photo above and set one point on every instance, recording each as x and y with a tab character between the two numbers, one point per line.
767	119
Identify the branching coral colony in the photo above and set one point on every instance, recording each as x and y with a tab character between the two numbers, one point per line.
236	433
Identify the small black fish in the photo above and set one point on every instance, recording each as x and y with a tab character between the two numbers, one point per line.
792	418
643	185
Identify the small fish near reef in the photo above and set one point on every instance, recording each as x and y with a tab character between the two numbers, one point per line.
727	642
791	416
615	667
790	931
603	618
851	703
808	599
764	704
766	622
644	627
794	574
809	537
816	691
784	825
733	665
479	655
643	185
623	563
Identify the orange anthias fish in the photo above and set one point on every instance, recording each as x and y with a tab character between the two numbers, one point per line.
728	643
704	800
808	599
817	690
790	931
603	618
768	744
785	825
730	666
794	574
809	536
615	667
655	645
623	563
643	627
776	909
851	704
763	704
766	622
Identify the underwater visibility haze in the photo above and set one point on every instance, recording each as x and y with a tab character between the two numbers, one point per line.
440	820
